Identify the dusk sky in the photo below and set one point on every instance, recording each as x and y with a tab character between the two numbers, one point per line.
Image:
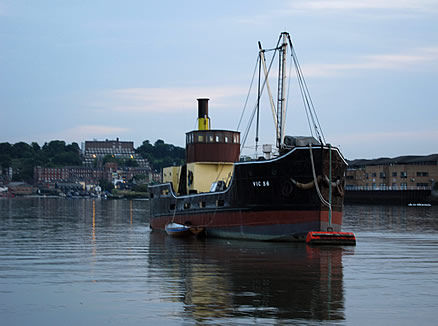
83	70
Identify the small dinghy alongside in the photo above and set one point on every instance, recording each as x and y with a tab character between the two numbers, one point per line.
178	230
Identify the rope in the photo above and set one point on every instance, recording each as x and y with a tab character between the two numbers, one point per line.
325	202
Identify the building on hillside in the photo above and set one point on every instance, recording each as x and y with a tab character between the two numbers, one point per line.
156	177
20	188
44	175
95	151
48	177
400	173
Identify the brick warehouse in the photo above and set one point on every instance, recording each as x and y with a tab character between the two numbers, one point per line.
403	172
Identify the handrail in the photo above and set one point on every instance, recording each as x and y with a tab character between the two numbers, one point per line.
387	188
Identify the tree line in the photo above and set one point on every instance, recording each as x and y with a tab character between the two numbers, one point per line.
161	155
23	157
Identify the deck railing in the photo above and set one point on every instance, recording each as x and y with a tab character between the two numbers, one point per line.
387	188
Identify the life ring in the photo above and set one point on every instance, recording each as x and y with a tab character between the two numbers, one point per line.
287	189
190	178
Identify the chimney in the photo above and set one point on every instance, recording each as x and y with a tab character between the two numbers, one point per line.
203	119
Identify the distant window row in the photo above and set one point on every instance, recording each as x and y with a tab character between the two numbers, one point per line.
403	175
217	137
395	186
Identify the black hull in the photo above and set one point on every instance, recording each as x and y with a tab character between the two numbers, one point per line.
273	199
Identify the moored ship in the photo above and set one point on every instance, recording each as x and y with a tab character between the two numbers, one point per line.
279	197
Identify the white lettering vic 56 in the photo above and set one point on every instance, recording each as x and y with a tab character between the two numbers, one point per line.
261	183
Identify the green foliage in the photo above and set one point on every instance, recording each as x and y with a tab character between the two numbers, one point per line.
106	185
131	162
140	188
23	157
112	159
5	160
66	158
161	155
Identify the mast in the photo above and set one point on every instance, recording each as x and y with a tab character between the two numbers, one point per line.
281	98
266	81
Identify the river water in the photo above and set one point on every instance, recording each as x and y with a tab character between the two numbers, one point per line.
83	261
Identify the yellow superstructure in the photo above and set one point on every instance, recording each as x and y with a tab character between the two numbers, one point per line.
172	174
210	158
200	176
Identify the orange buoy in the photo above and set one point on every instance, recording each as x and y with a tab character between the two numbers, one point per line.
331	238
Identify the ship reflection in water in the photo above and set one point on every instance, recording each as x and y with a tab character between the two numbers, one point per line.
95	262
223	280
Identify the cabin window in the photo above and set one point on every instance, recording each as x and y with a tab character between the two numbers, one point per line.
226	139
210	138
151	195
200	138
220	202
186	205
218	139
235	138
202	204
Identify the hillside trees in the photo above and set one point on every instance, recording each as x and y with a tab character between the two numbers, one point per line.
161	154
23	157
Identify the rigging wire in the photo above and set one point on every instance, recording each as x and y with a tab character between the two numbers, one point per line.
309	108
248	127
258	103
308	99
304	99
249	92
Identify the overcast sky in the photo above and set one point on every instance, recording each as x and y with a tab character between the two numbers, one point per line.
83	70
